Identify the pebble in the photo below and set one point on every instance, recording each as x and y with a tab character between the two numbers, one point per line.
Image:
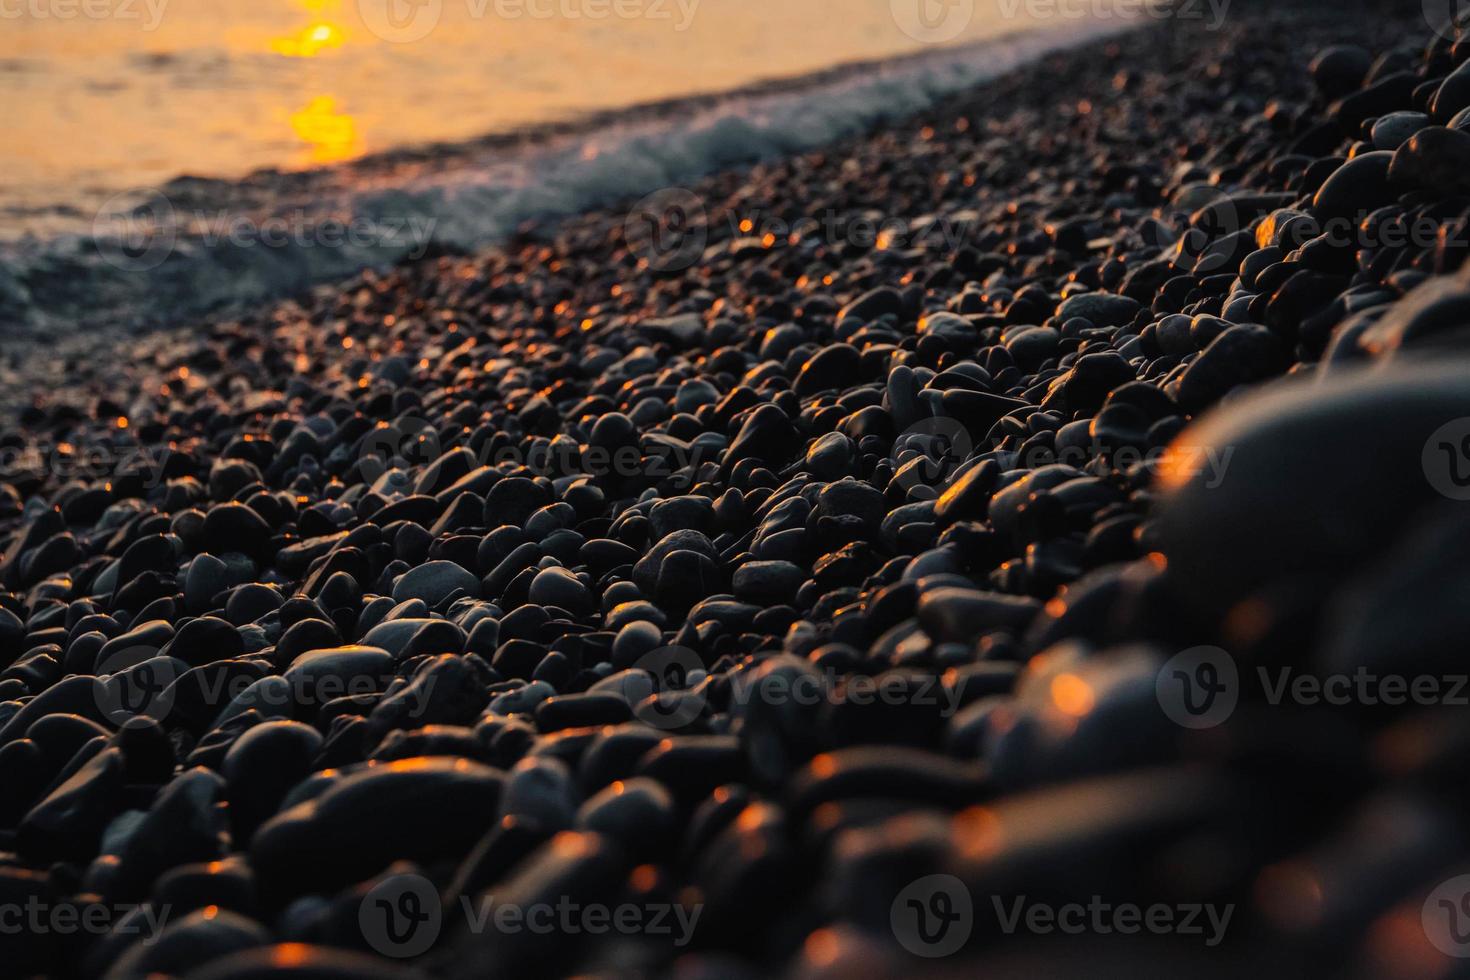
1326	514
413	809
768	582
559	587
435	581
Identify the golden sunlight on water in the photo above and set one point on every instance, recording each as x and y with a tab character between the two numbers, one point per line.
332	134
309	42
224	87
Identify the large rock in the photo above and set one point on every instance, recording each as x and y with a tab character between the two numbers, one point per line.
420	809
1302	480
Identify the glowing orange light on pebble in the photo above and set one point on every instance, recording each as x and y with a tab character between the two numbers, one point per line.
826	816
1072	695
291	954
570	844
1399	948
978	831
821	947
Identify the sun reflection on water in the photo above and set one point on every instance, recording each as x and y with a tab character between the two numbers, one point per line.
331	133
309	41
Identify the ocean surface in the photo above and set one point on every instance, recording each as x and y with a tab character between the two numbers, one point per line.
193	152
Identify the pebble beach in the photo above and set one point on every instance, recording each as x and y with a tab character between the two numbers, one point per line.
1020	540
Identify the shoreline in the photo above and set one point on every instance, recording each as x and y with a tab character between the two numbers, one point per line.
200	243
